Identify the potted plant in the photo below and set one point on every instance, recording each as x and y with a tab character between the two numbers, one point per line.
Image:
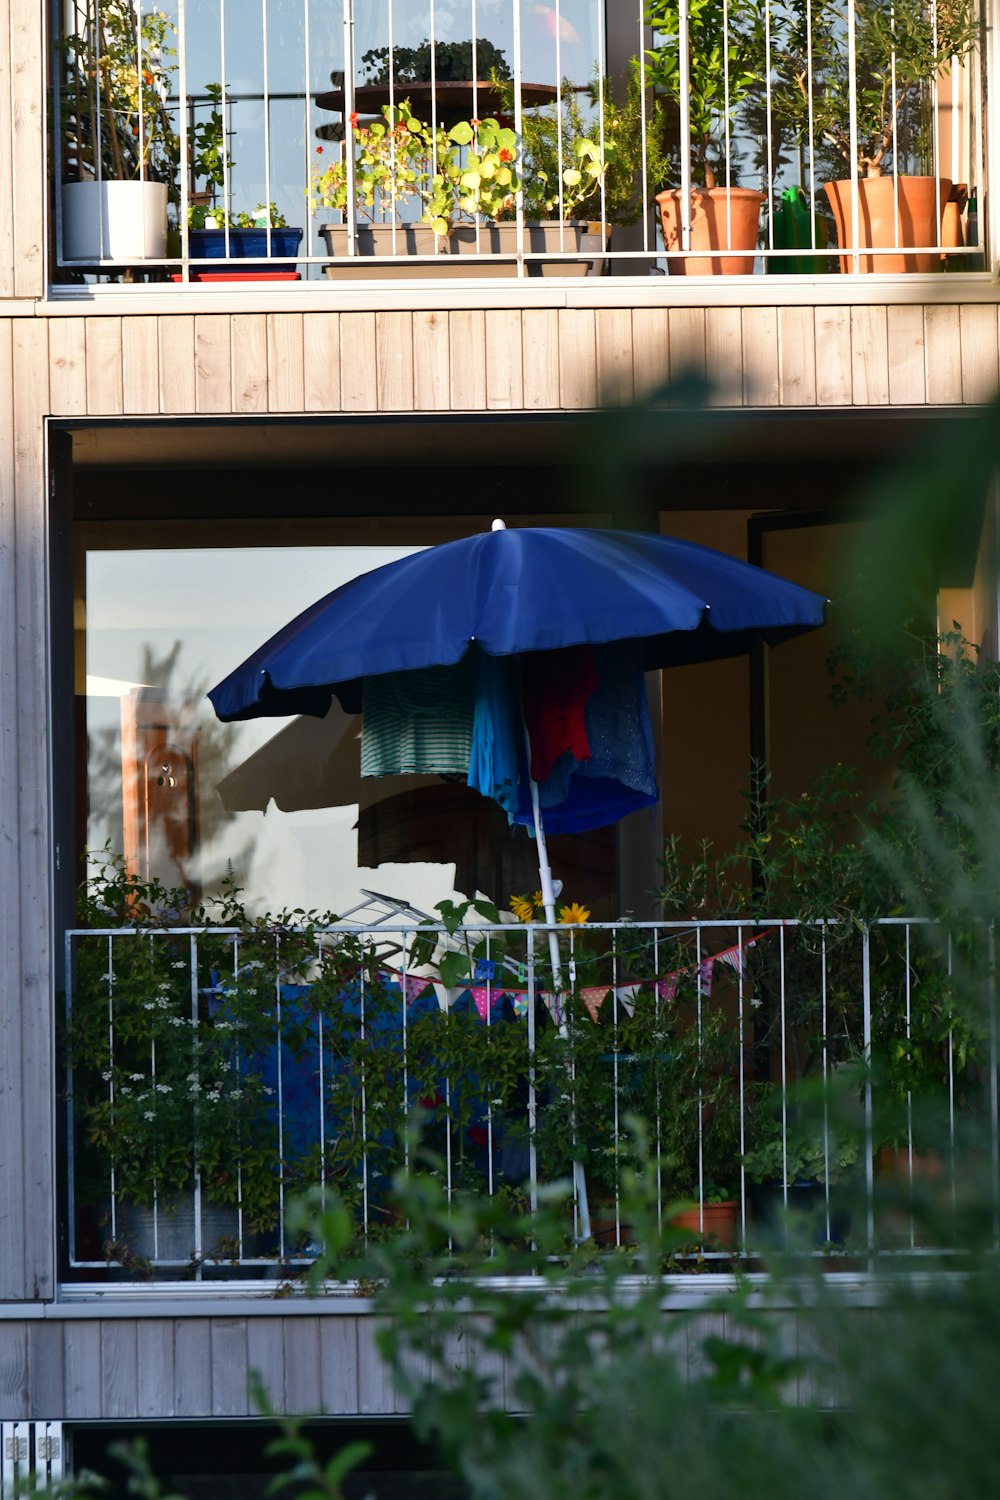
214	232
119	146
703	1117
800	1154
582	167
412	181
726	58
161	1102
900	50
235	1064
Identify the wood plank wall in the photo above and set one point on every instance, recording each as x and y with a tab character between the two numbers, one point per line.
130	1369
532	359
22	148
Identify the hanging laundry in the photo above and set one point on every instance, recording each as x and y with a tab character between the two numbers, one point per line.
555	689
618	776
419	722
497	730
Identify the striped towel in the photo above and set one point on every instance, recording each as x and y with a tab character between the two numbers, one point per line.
419	722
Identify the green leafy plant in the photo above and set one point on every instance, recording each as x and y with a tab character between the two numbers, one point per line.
407	171
213	165
565	162
172	1055
836	862
806	1135
587	151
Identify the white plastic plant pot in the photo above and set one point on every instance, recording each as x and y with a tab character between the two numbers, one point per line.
118	221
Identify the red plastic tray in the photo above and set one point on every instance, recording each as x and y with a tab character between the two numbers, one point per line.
238	276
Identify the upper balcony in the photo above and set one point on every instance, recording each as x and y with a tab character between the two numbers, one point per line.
363	139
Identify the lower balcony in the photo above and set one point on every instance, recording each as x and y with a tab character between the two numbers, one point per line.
806	1084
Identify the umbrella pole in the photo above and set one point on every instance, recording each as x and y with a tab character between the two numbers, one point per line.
545	882
549	905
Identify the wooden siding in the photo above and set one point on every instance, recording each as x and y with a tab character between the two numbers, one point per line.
195	1366
529	359
27	1095
22	148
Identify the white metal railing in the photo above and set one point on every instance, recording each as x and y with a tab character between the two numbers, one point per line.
838	1080
628	126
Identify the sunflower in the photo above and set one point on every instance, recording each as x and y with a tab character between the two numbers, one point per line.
574	913
523	908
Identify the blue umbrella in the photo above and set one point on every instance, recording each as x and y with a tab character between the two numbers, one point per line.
530	589
510	593
491	598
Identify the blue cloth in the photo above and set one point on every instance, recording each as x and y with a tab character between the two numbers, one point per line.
619	775
497	731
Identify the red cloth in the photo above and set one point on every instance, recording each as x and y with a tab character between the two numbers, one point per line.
555	686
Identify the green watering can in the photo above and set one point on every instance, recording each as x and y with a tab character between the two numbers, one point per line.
795	228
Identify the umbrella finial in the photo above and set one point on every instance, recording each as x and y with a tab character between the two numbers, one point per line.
499	525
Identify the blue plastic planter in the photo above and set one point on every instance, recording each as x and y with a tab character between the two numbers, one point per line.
248	246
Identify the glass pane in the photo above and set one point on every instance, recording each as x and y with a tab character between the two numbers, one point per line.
278	804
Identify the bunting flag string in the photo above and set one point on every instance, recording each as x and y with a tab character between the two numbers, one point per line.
488	997
734	957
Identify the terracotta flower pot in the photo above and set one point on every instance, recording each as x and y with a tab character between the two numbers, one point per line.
897	1162
721	219
893	211
606	1226
720	1222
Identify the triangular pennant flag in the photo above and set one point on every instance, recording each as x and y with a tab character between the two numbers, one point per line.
481	995
667	988
625	995
486	999
413	985
594	997
555	1004
734	957
445	996
519	1000
705	969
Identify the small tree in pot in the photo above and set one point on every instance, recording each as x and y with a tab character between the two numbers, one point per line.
727	56
120	149
900	50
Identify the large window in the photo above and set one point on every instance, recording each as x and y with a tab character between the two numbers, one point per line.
277	805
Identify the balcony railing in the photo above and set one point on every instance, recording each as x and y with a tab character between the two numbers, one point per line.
361	140
833	1084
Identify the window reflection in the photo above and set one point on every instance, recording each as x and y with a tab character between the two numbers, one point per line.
278	805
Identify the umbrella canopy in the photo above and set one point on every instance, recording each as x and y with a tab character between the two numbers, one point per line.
515	593
531	589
